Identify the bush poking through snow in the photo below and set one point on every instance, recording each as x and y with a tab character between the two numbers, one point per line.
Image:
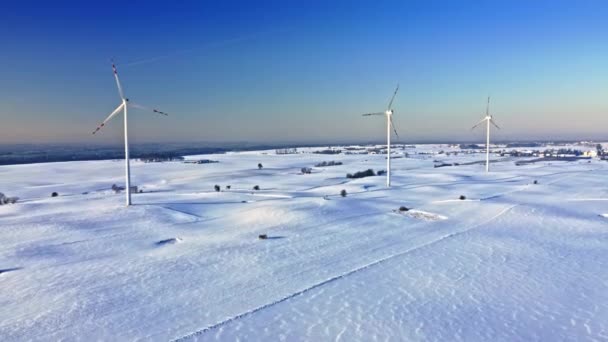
361	174
343	193
462	197
262	236
306	170
7	200
227	187
381	173
403	209
260	166
257	187
535	181
217	188
54	194
117	189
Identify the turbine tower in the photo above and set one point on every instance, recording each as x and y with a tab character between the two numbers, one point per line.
488	120
123	106
389	124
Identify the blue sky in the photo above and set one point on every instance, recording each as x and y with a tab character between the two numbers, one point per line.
303	71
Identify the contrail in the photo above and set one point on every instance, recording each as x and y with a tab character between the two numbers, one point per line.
207	45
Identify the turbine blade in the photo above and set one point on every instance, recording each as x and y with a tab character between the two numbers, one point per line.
494	123
122	95
116	111
394	127
138	106
479	123
390	104
370	114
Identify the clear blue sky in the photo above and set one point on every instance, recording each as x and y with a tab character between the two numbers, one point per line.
283	71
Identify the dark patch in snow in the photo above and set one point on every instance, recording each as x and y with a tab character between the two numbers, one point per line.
170	241
266	237
6	270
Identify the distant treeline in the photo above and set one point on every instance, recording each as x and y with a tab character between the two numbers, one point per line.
161	158
330	163
328	151
74	154
30	154
524	144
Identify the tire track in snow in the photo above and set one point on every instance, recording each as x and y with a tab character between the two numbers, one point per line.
336	278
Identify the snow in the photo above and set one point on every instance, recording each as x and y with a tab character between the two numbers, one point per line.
514	261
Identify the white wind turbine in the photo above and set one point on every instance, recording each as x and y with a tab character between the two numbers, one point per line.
124	104
389	123
488	120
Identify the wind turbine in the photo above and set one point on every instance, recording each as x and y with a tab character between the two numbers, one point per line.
389	123
488	120
123	106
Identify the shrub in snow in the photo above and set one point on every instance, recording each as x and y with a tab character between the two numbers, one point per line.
462	197
54	194
227	187
260	166
343	193
381	173
262	236
217	188
257	187
361	174
117	189
402	209
7	200
306	170
535	182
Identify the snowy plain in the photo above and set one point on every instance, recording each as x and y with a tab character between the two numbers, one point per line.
515	261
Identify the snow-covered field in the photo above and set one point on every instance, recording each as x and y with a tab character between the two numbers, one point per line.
515	261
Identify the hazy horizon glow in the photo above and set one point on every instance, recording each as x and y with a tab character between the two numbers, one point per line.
274	71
